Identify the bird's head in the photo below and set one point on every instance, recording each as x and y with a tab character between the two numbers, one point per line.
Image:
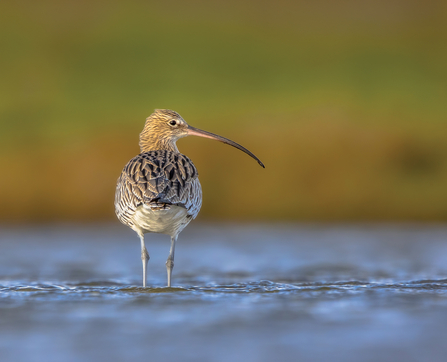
164	128
164	125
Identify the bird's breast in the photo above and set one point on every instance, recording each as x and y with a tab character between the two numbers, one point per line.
170	221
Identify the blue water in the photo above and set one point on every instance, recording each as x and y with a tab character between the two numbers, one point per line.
240	293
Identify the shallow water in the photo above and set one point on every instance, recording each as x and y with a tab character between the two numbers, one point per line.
241	293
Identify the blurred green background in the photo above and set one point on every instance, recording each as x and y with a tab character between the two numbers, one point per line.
344	101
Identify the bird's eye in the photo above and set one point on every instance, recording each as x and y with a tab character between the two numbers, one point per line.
172	123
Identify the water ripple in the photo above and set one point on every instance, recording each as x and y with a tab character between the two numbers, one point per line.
78	290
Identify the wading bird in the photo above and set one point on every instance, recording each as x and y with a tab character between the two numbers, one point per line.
159	190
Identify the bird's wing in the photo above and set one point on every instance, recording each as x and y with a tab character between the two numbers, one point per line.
158	179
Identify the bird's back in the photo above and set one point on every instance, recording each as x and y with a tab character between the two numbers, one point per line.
157	183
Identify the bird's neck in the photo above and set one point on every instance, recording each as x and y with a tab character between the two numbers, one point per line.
150	143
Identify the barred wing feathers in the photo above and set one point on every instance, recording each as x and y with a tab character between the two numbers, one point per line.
157	179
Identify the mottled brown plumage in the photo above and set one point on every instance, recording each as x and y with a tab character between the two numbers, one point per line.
157	179
159	190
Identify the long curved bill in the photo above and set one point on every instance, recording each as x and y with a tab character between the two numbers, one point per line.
192	131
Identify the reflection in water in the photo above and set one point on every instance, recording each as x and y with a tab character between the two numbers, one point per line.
251	293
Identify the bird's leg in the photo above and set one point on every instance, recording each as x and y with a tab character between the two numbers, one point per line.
170	261
144	259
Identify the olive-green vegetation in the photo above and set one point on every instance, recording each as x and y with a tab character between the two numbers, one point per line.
344	101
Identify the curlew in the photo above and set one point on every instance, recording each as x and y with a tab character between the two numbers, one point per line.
159	190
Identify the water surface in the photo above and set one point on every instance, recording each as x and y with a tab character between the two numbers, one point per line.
240	293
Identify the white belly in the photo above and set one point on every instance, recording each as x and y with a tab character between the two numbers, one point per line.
170	222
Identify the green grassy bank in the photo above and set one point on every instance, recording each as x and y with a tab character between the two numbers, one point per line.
344	102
